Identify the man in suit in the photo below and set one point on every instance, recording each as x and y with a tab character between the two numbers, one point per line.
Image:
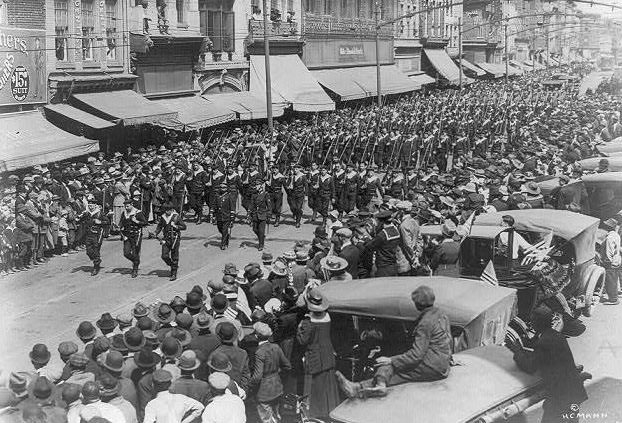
240	372
348	251
260	210
269	360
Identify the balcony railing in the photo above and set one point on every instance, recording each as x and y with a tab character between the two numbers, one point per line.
278	30
326	25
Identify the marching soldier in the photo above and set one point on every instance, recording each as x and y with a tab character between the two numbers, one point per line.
94	220
362	185
326	192
339	181
218	188
350	190
372	187
249	183
233	188
195	184
222	214
178	183
276	181
171	225
313	191
297	187
396	184
260	210
131	226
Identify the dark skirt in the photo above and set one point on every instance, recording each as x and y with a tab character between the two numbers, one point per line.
323	393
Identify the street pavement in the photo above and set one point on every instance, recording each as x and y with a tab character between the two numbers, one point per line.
46	304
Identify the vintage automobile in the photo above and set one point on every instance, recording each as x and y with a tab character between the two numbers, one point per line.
591	164
598	194
479	315
573	245
611	148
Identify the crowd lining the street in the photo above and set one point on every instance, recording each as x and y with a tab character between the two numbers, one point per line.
241	348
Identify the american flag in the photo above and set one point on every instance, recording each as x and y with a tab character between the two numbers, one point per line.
488	275
537	252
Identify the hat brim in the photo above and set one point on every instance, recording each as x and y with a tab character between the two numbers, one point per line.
135	348
144	365
40	361
222	370
323	306
189	369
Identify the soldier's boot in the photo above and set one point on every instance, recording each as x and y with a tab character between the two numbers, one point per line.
277	220
298	221
134	271
199	218
173	275
95	270
314	216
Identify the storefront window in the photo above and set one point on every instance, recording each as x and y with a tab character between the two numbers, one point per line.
111	29
217	23
61	23
88	29
181	12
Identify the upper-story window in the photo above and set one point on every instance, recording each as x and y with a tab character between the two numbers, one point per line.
61	24
111	30
181	11
88	30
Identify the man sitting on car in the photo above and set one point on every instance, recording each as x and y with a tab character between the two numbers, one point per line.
428	358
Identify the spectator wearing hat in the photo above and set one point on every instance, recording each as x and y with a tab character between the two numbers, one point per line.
334	269
110	393
167	407
285	336
146	361
409	250
71	397
259	289
219	362
278	278
240	372
42	394
269	361
78	372
428	358
178	304
106	324
313	335
612	260
221	312
322	247
533	195
519	243
18	384
446	253
187	384
204	342
125	322
164	316
93	405
40	358
87	332
347	251
224	406
113	363
134	341
171	349
384	244
194	302
300	272
551	355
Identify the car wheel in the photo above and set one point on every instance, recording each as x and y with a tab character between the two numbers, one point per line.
593	296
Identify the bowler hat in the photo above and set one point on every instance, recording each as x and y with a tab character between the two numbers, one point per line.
199	290
113	361
40	354
106	322
146	358
170	347
144	323
188	361
134	339
86	331
194	300
219	362
184	320
220	303
226	332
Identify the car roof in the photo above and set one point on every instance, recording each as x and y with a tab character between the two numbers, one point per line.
462	300
489	232
603	177
615	163
484	378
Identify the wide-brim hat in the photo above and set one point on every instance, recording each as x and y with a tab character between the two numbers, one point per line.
333	263
279	268
219	362
106	322
531	188
188	361
146	359
316	301
163	314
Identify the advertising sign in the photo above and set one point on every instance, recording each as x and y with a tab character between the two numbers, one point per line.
22	66
351	52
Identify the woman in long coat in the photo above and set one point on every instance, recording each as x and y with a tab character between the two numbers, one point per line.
314	335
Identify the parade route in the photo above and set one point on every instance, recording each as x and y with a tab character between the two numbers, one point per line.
45	304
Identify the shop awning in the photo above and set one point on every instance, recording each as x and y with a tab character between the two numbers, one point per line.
443	64
245	105
422	79
126	106
193	113
292	83
28	139
538	65
492	69
520	65
470	66
77	121
361	82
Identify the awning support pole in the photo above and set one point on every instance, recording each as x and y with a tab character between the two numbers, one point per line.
266	55
378	83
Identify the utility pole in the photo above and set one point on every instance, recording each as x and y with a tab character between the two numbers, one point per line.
266	55
460	48
378	82
548	55
507	55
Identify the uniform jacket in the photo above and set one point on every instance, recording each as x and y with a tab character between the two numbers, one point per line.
430	352
170	226
385	244
269	361
260	206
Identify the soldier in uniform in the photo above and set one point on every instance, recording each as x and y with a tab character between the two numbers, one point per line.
222	214
170	224
385	244
396	184
326	192
233	183
131	226
313	191
297	185
372	187
260	210
275	191
339	180
250	178
95	221
178	183
350	189
362	185
218	188
195	184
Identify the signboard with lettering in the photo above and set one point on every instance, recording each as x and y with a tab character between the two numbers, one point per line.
351	52
22	66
